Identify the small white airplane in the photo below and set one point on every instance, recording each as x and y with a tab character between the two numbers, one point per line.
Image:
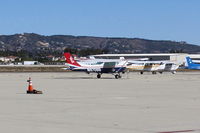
99	66
152	66
168	67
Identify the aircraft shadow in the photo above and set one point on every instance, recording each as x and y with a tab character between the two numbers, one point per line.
83	78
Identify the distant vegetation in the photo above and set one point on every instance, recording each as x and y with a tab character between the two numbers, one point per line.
42	56
177	51
86	52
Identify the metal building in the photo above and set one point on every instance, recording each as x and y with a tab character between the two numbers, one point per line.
175	57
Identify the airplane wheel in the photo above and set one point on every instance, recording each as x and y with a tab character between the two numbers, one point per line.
116	76
141	72
160	72
88	72
153	72
98	76
173	72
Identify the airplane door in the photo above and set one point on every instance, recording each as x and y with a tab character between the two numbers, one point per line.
109	64
168	66
148	66
109	67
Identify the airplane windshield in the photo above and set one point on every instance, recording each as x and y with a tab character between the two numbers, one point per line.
98	63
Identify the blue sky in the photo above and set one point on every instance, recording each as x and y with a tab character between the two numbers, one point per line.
176	20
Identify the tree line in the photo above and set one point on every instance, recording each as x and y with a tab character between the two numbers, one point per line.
86	52
41	56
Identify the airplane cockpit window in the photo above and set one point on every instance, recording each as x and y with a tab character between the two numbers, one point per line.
98	63
169	64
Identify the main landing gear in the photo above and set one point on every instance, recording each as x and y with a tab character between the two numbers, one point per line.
118	76
153	72
98	76
173	72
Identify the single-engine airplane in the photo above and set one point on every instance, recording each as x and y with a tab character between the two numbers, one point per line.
99	66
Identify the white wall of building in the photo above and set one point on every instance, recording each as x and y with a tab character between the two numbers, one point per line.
30	62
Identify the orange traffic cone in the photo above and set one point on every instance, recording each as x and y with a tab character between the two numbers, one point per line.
30	88
30	85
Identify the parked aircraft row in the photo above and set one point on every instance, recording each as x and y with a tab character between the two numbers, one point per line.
119	66
152	66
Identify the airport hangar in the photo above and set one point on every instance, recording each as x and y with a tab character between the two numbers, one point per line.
178	58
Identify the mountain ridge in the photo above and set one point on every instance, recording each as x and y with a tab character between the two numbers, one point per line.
35	43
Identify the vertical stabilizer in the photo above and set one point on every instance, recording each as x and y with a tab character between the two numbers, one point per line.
70	60
188	61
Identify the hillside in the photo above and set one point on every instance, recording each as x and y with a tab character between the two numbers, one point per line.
34	43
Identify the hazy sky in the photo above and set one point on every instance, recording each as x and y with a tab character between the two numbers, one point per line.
177	20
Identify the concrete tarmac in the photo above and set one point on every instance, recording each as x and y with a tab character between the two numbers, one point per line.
80	103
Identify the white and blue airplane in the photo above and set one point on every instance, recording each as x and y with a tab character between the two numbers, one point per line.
191	65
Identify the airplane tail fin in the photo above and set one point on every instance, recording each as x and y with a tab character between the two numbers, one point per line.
70	60
188	61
